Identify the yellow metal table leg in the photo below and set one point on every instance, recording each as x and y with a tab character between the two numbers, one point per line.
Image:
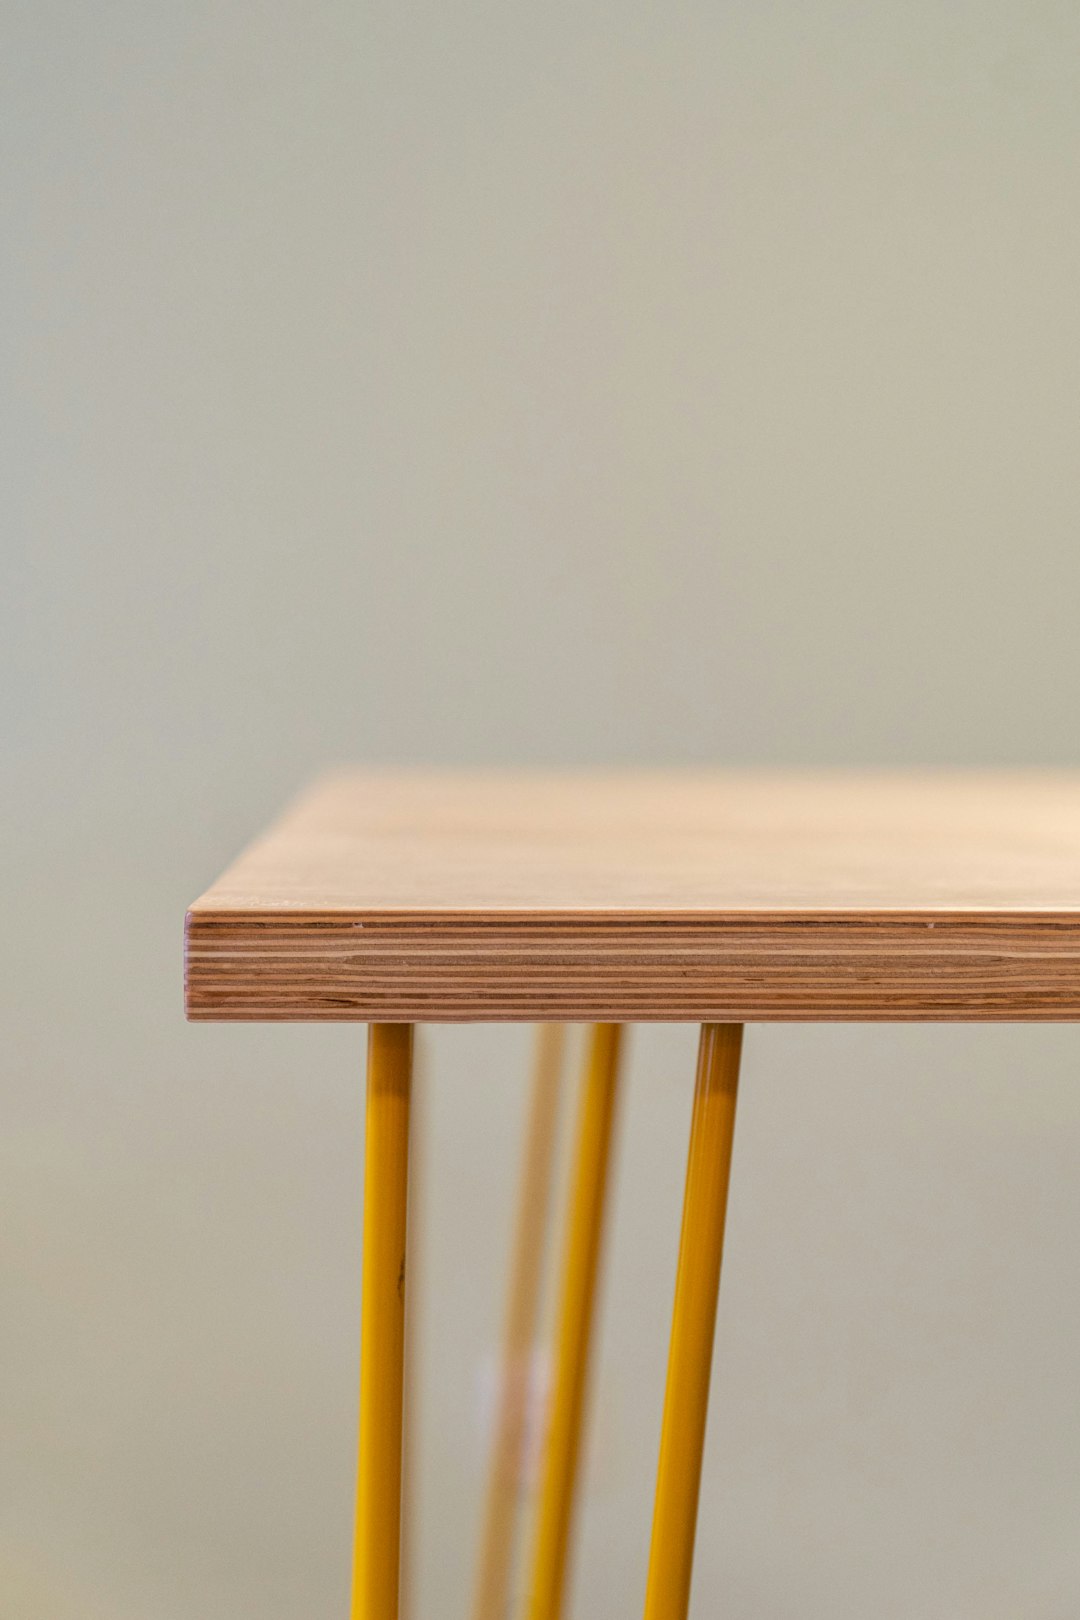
697	1285
580	1266
377	1546
419	1105
526	1272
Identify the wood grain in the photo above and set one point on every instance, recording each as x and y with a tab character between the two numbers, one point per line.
613	898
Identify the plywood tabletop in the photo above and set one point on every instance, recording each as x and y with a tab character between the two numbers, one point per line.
429	896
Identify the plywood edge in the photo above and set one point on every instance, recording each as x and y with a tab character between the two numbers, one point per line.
446	966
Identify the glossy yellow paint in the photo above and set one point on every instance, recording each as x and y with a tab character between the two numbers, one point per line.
377	1547
578	1291
419	1136
494	1566
697	1285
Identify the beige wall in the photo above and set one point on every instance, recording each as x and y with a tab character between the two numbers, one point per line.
607	382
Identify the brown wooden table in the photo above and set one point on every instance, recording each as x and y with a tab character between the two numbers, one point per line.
725	899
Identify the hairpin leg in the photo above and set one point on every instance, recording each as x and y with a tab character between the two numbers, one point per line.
580	1266
419	1136
376	1556
697	1285
526	1272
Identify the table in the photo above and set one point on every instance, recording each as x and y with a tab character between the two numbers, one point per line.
400	897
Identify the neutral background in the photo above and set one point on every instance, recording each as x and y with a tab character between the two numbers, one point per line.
596	382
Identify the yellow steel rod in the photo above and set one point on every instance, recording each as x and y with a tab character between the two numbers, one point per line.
377	1548
697	1284
526	1271
418	1140
580	1266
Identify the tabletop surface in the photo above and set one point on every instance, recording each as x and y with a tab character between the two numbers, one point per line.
743	896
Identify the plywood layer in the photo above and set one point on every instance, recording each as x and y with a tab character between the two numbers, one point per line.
428	897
